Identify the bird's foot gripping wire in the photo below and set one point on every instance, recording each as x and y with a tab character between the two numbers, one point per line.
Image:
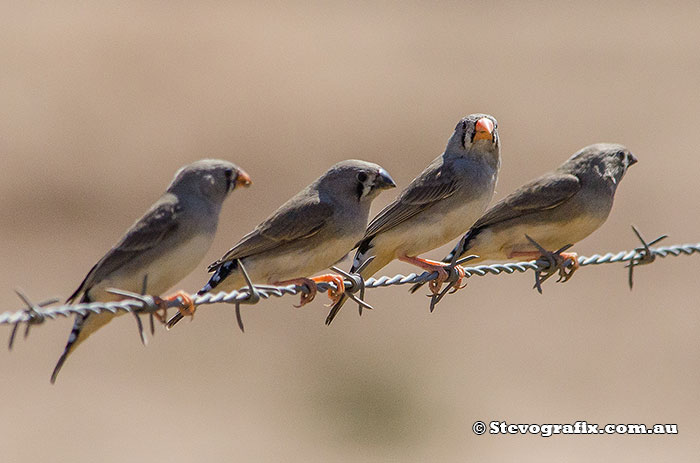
250	296
308	294
154	306
442	269
32	316
563	263
311	287
643	254
356	285
456	274
333	294
182	301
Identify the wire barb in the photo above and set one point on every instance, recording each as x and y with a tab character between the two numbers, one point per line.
645	255
453	278
252	297
354	284
146	300
32	311
139	325
550	262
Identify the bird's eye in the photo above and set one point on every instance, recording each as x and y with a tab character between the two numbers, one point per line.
620	155
362	177
228	173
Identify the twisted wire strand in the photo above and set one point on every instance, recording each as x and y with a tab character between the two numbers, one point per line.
149	304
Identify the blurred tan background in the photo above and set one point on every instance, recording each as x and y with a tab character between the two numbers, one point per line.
102	102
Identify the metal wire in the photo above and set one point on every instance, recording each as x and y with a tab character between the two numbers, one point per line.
144	304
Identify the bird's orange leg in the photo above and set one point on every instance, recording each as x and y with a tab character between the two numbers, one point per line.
435	266
564	271
183	302
310	283
333	294
525	255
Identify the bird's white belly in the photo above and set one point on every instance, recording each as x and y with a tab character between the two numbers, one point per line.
273	267
422	234
502	244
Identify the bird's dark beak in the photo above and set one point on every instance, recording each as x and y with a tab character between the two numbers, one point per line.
384	180
631	160
243	179
483	130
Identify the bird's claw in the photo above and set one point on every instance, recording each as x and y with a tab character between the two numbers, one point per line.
563	263
436	284
181	300
309	296
567	264
445	274
454	286
306	298
458	284
336	294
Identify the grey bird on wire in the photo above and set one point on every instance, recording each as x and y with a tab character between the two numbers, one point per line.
551	212
437	206
162	247
312	231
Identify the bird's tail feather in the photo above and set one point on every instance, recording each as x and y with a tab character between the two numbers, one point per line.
70	345
83	327
223	271
220	274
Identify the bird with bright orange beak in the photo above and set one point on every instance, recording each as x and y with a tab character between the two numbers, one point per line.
437	206
550	212
161	248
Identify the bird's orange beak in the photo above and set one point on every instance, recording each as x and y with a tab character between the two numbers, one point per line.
483	129
243	179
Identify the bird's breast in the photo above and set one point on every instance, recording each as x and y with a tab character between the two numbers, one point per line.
434	227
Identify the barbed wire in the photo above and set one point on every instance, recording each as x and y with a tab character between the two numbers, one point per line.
355	286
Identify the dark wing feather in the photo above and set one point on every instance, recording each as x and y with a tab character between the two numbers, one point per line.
436	183
292	222
543	193
158	223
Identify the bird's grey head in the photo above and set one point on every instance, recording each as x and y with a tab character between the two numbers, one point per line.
476	134
609	161
213	179
356	180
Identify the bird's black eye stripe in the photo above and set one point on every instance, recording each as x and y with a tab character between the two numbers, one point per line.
464	134
228	173
361	179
